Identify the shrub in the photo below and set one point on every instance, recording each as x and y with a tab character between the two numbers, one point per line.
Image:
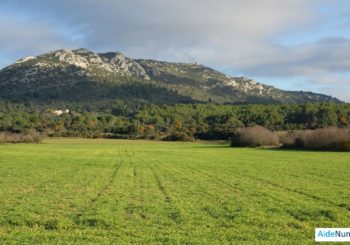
254	136
178	136
150	133
29	137
294	139
337	139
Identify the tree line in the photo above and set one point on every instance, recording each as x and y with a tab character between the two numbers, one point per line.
207	121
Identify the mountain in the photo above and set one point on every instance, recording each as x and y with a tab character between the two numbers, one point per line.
85	77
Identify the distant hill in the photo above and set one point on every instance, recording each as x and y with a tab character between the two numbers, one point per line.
82	76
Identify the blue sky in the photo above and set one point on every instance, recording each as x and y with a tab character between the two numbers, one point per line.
291	44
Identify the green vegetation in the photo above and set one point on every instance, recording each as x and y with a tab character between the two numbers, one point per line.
103	191
176	122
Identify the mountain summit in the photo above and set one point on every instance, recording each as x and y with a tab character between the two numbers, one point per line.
87	77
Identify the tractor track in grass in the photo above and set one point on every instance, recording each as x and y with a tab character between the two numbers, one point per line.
219	212
202	189
142	197
188	180
130	208
232	214
138	175
229	184
143	185
265	182
172	211
91	203
310	196
285	188
136	203
214	178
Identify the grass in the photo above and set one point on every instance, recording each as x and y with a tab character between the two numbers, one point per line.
110	191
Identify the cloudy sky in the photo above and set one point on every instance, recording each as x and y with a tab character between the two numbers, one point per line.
291	44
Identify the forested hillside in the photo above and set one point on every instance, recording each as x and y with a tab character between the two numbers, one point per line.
110	95
177	122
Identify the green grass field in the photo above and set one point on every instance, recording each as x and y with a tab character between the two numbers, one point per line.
110	191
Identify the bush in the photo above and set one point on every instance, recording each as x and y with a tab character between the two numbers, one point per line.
294	139
337	139
178	136
254	136
150	133
30	137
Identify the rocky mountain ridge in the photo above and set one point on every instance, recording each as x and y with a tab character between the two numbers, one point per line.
77	74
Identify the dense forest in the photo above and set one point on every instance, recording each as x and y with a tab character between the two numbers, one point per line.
176	122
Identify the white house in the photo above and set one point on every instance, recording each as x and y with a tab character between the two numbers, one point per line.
60	112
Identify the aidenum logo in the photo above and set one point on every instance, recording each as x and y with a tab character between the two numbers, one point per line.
332	234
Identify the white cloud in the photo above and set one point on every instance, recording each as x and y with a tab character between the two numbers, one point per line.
237	35
184	25
21	38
